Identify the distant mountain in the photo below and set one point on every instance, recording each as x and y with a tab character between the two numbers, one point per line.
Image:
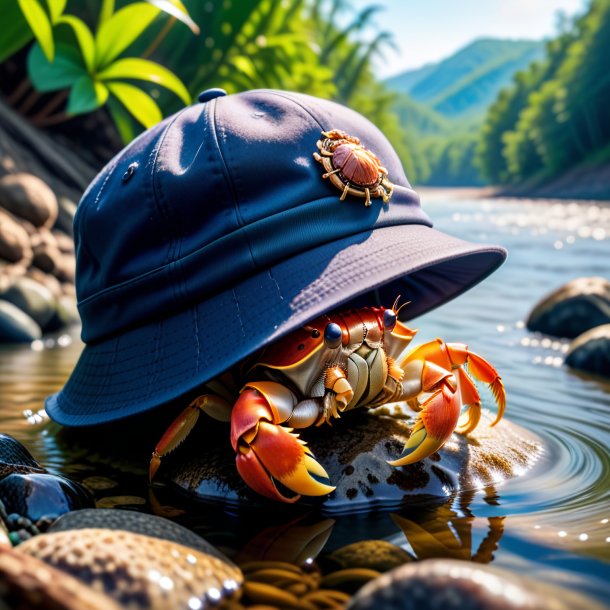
465	84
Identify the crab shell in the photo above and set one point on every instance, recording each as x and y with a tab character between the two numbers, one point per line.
358	165
303	356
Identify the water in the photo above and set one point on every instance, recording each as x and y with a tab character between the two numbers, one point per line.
553	523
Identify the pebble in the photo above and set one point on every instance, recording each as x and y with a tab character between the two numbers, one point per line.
443	584
28	583
139	571
572	309
32	298
590	352
29	197
14	240
16	326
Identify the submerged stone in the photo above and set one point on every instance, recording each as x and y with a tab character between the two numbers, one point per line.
573	308
590	352
354	452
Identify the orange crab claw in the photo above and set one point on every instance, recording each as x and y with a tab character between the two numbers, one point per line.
268	452
436	423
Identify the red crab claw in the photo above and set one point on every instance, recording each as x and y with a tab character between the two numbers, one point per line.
268	452
435	425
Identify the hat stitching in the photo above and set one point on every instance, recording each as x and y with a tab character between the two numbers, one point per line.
153	378
196	335
238	311
276	285
163	206
219	129
352	271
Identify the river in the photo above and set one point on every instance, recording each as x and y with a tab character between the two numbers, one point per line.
552	523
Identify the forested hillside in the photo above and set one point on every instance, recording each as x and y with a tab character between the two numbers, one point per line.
557	113
442	106
466	83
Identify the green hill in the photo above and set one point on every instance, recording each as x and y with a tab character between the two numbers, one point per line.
465	84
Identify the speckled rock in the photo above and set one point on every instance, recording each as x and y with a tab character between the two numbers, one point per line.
29	197
574	308
29	583
14	240
590	352
15	325
379	555
354	452
32	298
139	571
441	584
136	522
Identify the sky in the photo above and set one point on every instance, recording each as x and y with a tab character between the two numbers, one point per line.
429	30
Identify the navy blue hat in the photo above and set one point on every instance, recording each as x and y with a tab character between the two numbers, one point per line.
214	233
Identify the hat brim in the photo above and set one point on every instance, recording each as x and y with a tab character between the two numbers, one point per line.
159	362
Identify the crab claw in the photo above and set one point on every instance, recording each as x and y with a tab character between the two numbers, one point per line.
268	453
437	421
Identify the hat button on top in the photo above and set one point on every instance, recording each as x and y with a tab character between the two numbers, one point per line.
210	94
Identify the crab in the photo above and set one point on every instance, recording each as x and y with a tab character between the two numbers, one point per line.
357	358
352	168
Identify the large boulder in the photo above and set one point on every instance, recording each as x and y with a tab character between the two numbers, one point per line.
590	352
574	308
29	197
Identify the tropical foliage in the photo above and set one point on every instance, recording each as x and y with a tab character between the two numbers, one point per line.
556	114
68	55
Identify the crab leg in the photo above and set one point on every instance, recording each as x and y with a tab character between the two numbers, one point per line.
215	406
267	452
436	384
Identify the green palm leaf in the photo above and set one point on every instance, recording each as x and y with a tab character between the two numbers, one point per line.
139	104
39	22
86	95
143	69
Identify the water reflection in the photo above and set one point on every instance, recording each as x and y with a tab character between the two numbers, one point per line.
552	522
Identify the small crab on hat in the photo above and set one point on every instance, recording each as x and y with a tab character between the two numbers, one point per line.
228	226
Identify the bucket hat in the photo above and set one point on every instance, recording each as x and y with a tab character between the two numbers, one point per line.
215	233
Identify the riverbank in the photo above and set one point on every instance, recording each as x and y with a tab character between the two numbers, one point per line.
584	182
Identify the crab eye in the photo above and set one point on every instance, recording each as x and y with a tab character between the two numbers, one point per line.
332	335
389	319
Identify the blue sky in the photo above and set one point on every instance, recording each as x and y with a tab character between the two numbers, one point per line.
429	30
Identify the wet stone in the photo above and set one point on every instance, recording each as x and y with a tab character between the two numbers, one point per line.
33	298
139	571
590	352
16	326
572	309
442	584
30	198
354	452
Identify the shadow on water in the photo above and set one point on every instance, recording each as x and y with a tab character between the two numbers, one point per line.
553	522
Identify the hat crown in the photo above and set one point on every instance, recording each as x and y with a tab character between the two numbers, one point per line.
218	191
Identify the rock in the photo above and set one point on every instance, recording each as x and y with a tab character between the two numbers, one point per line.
137	570
379	555
444	583
66	314
29	197
354	452
14	457
34	299
49	281
15	325
14	241
136	522
65	218
574	308
590	352
27	582
47	255
40	495
65	271
64	242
